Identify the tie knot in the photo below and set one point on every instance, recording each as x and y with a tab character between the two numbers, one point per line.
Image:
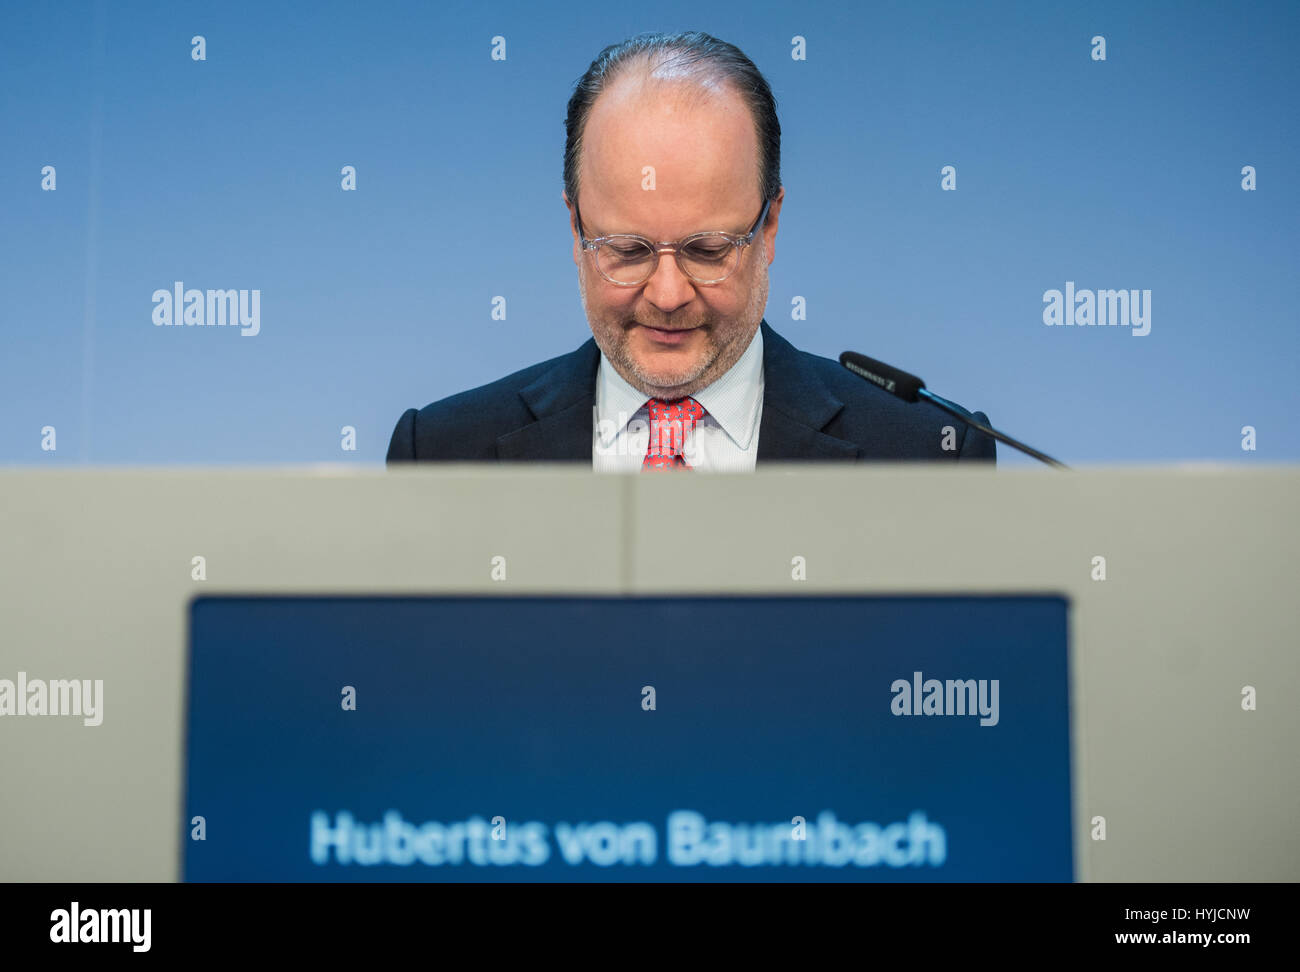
670	423
679	409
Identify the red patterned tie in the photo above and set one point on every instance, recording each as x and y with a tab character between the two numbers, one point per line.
670	423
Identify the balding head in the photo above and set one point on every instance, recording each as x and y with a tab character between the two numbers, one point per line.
701	65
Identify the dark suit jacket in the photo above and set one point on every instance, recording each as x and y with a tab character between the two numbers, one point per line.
813	409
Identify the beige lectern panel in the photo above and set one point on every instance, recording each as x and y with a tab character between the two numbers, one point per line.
96	573
1199	601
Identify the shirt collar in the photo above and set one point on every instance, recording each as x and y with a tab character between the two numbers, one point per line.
733	399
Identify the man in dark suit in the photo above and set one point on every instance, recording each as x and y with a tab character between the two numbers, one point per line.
674	144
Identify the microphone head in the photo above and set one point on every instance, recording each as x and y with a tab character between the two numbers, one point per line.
890	379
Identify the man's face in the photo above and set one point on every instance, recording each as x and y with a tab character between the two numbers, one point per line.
703	149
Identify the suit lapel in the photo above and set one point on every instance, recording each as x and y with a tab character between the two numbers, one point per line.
563	402
796	407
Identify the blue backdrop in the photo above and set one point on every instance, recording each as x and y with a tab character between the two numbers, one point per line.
225	173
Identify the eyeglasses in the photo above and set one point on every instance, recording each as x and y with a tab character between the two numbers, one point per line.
627	260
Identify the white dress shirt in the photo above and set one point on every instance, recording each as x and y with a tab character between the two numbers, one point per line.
724	440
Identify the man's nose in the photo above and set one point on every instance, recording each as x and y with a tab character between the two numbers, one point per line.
668	288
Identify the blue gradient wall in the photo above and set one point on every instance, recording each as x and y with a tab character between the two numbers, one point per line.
225	173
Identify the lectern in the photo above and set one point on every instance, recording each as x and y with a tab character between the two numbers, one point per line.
544	662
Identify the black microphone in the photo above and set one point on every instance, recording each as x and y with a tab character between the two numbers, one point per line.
912	389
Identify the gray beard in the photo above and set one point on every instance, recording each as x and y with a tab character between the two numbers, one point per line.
687	383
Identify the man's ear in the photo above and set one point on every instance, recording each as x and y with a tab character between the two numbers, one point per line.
769	228
573	228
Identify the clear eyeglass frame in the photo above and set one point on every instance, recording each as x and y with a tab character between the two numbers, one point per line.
675	246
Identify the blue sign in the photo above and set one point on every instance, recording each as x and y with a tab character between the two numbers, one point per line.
598	738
